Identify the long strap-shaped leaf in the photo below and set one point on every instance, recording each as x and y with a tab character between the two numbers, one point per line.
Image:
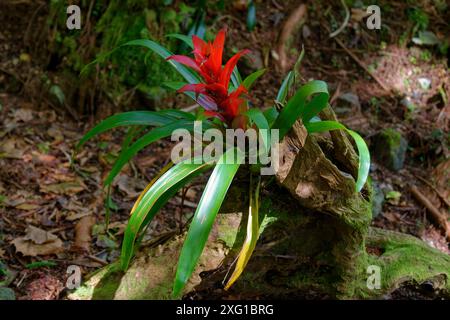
208	207
177	114
285	86
133	118
363	151
298	108
258	118
187	74
201	99
153	199
186	39
251	237
150	137
251	78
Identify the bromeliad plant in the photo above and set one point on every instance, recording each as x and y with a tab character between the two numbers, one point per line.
223	99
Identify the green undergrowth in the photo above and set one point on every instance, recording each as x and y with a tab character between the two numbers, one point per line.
110	24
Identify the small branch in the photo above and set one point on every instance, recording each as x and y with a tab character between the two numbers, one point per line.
362	65
437	216
293	21
443	198
98	260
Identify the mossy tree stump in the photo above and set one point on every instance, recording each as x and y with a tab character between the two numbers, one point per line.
315	239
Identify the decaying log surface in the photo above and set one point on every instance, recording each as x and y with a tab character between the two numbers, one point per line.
315	239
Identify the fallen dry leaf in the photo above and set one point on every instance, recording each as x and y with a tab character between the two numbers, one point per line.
55	133
12	148
46	159
38	242
132	187
119	226
27	206
24	115
359	14
72	216
83	233
67	188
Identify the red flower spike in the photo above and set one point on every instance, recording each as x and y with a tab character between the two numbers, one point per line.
229	67
186	61
213	93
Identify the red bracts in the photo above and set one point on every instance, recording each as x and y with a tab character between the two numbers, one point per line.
213	93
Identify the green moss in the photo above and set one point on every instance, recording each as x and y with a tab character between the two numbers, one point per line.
393	137
390	148
114	23
405	259
227	228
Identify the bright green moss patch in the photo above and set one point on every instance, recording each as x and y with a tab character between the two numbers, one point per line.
406	259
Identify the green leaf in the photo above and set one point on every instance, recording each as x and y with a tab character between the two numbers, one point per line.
41	264
271	115
285	87
363	151
298	64
186	39
258	118
426	38
150	137
174	85
298	108
251	237
236	79
185	72
251	78
177	114
57	92
152	200
133	118
251	15
208	207
189	75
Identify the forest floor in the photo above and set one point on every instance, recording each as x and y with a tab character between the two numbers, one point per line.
50	196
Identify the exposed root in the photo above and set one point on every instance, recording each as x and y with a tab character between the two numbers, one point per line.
295	19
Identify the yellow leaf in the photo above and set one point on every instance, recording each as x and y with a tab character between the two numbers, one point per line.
250	239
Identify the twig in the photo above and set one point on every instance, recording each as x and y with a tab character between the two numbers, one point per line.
344	24
434	189
30	23
361	64
294	20
94	258
12	74
435	213
277	5
336	94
